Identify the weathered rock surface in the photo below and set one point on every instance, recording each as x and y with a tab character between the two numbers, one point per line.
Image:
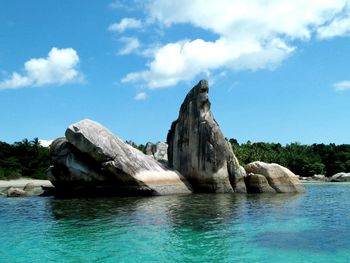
340	177
91	160
198	149
159	151
281	179
257	183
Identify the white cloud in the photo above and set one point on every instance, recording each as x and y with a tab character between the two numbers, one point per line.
251	35
184	60
131	45
116	5
342	85
124	24
127	5
141	96
60	67
45	143
338	27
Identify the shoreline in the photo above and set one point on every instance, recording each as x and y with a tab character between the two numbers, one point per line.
21	183
321	182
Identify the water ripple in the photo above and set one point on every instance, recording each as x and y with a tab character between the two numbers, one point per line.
311	227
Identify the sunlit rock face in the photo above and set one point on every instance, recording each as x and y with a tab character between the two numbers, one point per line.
277	177
340	177
90	159
198	149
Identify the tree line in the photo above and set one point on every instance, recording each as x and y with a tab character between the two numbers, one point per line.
23	159
303	160
28	158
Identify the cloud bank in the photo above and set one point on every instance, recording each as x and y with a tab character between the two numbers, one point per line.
251	35
58	68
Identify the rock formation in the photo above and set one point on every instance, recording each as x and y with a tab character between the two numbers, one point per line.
91	160
340	177
159	151
198	149
279	178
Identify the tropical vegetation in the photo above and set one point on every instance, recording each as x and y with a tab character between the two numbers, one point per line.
28	158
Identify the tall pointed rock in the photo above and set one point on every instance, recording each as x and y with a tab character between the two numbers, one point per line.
198	149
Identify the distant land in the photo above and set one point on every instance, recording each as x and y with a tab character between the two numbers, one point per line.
28	158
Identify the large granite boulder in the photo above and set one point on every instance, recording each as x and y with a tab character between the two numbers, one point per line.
159	151
91	160
340	177
198	149
281	179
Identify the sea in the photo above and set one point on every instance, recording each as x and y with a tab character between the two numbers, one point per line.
310	227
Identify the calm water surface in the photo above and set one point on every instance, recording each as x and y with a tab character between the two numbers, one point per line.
310	227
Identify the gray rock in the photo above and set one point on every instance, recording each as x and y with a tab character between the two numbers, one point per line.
148	148
69	165
92	159
319	177
281	179
159	151
257	183
33	189
198	149
340	177
16	192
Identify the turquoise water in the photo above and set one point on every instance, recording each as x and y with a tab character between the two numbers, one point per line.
310	227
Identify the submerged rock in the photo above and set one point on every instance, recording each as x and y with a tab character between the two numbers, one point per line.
91	160
281	179
198	149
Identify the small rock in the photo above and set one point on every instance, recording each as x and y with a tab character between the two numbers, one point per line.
16	192
33	189
319	177
257	183
340	177
159	151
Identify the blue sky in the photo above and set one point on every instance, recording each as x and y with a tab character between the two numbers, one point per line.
279	71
